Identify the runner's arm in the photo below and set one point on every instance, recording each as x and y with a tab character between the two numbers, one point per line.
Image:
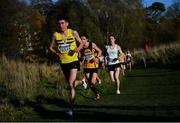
52	46
94	46
76	35
120	50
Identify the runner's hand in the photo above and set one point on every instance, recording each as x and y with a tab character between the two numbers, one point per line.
71	52
115	59
58	55
96	60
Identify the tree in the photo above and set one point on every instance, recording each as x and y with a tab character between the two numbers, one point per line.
43	6
155	11
10	10
171	23
21	29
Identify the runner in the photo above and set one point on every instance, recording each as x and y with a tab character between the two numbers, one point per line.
90	62
122	60
113	50
129	60
63	45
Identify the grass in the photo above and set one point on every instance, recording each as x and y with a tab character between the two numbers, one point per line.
146	95
150	94
158	54
37	92
26	80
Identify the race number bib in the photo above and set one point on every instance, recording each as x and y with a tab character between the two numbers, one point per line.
89	56
112	59
64	48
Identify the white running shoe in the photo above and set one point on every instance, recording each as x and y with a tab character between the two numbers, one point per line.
99	81
70	112
117	92
84	84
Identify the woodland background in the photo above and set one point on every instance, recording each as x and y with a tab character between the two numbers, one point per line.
26	29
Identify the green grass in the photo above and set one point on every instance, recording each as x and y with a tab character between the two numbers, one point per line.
150	94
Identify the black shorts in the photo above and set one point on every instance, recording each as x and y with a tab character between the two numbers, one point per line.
129	61
90	70
68	66
122	65
113	67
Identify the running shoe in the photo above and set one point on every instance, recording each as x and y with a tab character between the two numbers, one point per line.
98	97
118	92
99	81
84	84
70	112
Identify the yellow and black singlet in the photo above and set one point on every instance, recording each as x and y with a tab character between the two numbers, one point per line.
64	45
89	55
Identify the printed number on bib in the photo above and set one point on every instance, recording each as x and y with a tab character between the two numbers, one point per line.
89	56
64	48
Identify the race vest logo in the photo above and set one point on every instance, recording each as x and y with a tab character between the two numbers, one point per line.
65	41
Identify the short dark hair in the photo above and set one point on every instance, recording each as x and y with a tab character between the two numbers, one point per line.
63	17
111	34
84	34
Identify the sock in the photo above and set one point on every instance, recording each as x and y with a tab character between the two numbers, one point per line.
71	103
93	88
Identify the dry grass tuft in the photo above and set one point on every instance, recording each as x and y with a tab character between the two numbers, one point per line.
24	79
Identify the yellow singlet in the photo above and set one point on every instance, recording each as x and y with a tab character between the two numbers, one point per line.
64	45
89	56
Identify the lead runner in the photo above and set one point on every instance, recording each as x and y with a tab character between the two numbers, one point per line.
63	44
